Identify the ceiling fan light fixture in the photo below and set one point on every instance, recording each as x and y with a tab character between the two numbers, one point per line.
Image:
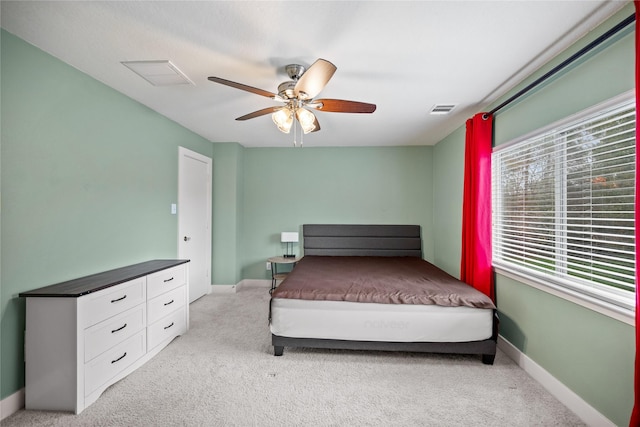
298	94
307	120
283	118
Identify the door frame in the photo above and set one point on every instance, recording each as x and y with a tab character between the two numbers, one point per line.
184	152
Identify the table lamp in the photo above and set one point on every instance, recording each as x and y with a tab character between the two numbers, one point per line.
289	237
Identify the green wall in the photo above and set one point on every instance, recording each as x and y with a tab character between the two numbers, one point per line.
78	197
228	167
590	353
88	177
285	188
448	174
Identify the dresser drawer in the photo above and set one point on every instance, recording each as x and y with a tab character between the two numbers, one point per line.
106	334
110	363
164	304
107	303
165	280
169	327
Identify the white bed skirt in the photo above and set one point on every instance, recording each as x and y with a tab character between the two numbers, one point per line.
355	321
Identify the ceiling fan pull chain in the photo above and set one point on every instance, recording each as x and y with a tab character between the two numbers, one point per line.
295	143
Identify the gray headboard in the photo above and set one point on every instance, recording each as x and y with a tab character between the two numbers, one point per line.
362	240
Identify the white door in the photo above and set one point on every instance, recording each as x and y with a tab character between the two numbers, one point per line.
194	219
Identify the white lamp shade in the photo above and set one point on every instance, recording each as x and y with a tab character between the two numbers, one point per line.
289	237
283	118
307	120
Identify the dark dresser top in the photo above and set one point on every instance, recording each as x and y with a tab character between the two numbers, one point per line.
95	282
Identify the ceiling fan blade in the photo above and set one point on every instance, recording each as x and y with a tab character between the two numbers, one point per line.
342	106
259	113
314	79
243	87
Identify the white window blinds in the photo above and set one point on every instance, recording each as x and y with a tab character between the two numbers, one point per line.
563	205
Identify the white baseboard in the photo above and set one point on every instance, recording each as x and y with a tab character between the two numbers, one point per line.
243	284
254	283
12	404
564	394
223	289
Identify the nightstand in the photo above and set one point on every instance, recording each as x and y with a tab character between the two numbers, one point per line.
275	276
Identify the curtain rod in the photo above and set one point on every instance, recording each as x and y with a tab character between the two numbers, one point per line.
621	25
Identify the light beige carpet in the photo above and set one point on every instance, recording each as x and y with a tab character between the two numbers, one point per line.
223	373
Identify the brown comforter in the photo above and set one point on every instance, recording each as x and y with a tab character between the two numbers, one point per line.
386	280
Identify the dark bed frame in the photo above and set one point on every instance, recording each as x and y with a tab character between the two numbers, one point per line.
376	240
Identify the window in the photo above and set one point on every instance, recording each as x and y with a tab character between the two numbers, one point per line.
563	205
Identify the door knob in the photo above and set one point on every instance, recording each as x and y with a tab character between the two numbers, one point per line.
186	239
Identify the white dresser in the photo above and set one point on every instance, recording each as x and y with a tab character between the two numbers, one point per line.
86	334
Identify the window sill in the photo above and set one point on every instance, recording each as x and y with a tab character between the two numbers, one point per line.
611	310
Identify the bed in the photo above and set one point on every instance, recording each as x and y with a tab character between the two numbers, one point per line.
366	287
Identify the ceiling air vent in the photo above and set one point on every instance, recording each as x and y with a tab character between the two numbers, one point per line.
158	73
442	109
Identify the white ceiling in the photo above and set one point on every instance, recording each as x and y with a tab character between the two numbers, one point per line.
405	57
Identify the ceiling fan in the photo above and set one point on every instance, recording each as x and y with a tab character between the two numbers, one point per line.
298	96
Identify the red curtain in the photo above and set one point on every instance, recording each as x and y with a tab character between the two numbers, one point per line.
475	264
635	415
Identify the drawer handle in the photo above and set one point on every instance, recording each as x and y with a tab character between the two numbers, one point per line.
167	303
119	329
119	299
119	358
168	280
167	327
